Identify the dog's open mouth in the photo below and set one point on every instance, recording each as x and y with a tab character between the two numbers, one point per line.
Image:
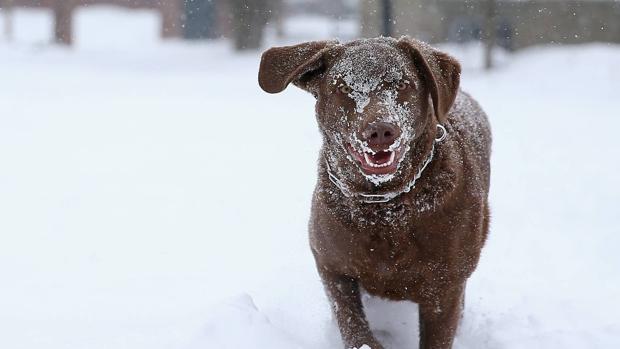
379	163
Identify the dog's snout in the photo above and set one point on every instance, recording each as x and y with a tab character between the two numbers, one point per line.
380	134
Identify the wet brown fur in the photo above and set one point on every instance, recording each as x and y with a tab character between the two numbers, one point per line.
423	245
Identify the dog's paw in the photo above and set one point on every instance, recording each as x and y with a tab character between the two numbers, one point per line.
365	346
370	345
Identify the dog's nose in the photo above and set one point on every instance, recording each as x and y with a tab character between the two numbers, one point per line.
380	134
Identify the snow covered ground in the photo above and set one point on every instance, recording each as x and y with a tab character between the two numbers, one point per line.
142	205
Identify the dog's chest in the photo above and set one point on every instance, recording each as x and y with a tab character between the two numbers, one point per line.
384	251
381	239
386	218
387	263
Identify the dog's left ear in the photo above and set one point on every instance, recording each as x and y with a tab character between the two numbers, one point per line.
279	66
441	72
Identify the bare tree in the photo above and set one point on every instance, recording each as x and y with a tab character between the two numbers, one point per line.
489	32
388	20
172	13
249	20
8	19
63	21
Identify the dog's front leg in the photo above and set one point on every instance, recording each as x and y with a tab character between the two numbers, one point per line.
439	318
344	295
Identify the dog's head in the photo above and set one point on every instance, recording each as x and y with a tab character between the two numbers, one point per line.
377	100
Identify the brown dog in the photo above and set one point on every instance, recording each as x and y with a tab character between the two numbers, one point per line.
400	209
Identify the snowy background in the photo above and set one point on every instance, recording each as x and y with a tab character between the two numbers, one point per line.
142	205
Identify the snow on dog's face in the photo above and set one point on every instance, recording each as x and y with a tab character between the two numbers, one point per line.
373	102
370	111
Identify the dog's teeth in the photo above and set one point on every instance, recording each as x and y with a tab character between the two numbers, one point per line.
368	159
392	157
370	163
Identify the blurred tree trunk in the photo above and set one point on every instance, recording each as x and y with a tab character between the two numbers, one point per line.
8	19
63	21
249	20
172	18
489	32
388	20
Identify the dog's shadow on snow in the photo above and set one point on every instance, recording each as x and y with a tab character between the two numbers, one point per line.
394	323
396	326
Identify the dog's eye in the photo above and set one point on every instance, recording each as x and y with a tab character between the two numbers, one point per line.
345	89
402	85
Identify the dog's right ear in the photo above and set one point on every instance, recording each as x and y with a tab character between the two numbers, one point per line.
442	73
280	66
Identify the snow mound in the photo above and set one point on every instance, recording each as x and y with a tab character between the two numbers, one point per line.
239	324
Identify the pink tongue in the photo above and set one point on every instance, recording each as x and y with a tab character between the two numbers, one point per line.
380	157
